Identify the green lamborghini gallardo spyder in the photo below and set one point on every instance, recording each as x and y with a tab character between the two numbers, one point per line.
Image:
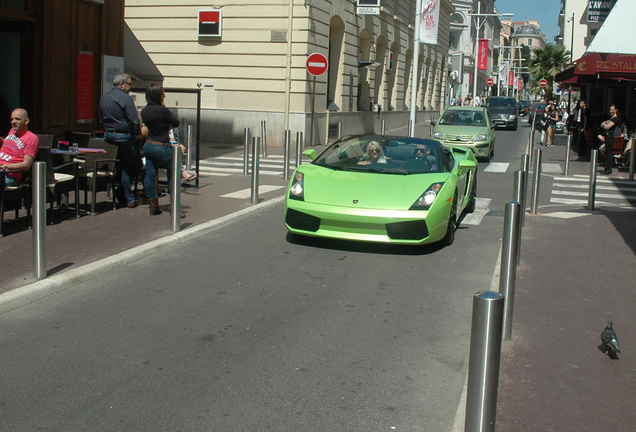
386	189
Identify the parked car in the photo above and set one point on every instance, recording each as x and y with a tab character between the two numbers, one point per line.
467	127
386	189
503	111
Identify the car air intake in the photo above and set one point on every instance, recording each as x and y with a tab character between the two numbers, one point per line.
410	230
302	221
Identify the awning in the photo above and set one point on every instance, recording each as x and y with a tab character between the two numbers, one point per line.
607	66
137	62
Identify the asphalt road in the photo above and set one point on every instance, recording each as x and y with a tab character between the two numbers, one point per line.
250	329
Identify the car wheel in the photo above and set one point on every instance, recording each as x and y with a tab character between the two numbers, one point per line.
449	238
472	204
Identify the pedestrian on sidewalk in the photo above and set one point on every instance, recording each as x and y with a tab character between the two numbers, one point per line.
159	120
120	121
611	128
553	118
581	115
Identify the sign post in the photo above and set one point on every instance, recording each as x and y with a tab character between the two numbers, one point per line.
316	65
543	82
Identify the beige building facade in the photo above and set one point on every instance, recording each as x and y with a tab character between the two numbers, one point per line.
256	69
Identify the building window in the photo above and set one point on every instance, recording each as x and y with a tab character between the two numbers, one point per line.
455	38
529	42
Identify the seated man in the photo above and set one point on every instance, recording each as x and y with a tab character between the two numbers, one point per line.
422	159
19	148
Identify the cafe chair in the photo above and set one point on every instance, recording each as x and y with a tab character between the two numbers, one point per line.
617	150
97	173
45	140
12	198
80	138
60	179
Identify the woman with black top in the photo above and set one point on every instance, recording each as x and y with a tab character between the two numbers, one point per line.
611	128
157	149
553	118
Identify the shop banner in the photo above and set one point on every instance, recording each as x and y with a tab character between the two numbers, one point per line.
430	22
511	78
503	71
84	95
482	62
520	85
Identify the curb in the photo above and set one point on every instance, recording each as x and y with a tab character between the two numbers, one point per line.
33	292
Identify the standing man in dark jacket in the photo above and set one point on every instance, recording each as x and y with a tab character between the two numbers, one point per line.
119	118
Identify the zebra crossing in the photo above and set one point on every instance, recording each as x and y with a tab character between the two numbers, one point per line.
609	192
228	165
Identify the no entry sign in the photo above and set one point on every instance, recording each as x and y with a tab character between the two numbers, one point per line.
316	64
490	81
543	82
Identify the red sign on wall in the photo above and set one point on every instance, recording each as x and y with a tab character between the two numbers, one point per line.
511	78
84	100
482	62
210	22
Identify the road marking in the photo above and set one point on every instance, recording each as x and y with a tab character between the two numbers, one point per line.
247	193
551	168
482	207
497	167
565	215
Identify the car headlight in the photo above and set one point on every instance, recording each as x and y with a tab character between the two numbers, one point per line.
481	137
512	117
438	135
425	200
297	189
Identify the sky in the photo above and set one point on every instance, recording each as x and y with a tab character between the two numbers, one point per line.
544	11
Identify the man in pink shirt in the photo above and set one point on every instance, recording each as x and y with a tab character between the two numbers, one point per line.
19	148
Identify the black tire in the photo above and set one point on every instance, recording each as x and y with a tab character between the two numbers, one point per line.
472	204
449	238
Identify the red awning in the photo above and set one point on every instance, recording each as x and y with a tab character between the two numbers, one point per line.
604	66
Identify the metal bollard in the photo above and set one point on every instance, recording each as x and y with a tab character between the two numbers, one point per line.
534	201
591	196
264	137
484	362
339	130
632	158
255	160
567	155
430	131
383	129
246	151
299	148
508	269
189	148
520	179
175	189
286	157
39	220
411	129
525	167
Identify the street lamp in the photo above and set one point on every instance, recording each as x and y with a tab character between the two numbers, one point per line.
571	60
478	25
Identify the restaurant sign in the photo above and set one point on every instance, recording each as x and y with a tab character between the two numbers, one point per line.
598	10
594	63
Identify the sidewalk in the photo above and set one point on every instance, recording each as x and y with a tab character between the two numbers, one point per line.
577	272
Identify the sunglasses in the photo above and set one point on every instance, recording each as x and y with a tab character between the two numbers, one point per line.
374	151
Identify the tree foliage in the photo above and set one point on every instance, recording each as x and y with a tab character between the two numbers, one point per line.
547	62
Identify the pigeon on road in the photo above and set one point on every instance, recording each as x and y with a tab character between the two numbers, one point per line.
610	343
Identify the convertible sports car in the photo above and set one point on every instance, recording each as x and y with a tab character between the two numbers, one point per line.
385	189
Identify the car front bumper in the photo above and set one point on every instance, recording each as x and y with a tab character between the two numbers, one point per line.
409	227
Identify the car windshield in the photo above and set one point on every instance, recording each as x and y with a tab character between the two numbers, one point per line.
384	155
463	117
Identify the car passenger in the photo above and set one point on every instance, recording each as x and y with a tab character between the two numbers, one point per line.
374	154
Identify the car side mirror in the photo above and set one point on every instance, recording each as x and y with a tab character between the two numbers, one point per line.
468	164
311	154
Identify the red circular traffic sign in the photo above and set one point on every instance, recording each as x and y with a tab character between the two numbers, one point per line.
543	82
316	64
490	81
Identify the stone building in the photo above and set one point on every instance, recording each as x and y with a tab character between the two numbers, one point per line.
256	69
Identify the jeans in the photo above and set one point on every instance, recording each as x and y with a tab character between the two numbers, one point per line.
9	181
129	160
157	156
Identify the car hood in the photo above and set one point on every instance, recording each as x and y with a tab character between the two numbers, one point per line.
506	111
471	131
367	190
